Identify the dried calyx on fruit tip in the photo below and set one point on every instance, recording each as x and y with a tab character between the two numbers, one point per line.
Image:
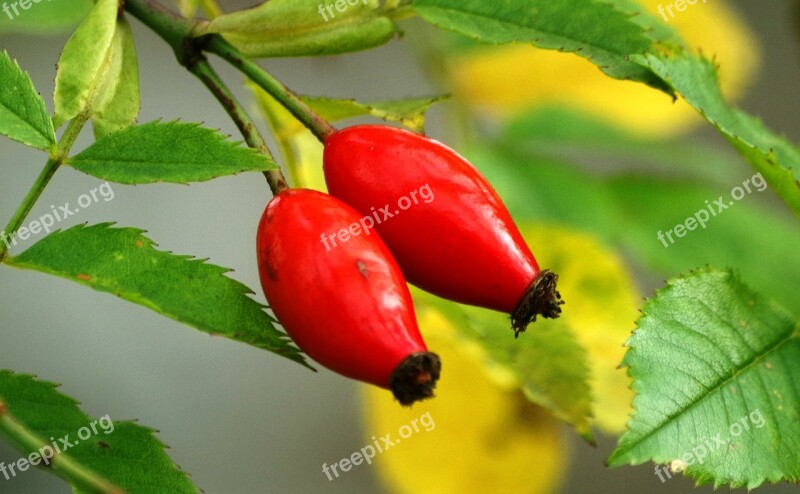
415	378
355	286
443	222
541	299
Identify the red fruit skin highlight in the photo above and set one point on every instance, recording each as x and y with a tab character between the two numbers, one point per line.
462	245
347	307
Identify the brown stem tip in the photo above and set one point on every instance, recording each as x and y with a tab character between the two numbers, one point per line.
415	378
541	299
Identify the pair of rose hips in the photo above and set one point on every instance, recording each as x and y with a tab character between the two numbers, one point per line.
348	307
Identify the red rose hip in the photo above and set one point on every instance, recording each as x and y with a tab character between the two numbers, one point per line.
443	222
340	294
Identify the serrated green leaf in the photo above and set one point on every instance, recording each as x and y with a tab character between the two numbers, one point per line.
44	17
84	61
654	27
283	28
123	453
716	369
23	114
549	364
116	104
125	263
596	31
696	80
167	152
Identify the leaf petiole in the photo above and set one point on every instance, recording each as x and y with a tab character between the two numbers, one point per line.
71	133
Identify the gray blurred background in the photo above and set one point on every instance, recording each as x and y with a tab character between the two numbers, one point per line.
240	420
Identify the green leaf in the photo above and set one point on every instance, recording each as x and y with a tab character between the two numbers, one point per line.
654	26
596	31
548	362
23	115
285	28
125	263
716	369
44	17
125	454
776	158
167	152
116	104
84	61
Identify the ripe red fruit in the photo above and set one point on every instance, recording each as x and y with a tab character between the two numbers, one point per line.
345	304
443	222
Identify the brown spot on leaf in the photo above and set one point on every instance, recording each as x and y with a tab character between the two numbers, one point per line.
139	243
84	277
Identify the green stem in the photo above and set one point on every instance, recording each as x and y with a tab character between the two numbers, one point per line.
71	471
174	29
65	144
27	204
203	71
177	32
297	107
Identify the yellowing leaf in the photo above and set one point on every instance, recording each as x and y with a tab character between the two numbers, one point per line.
601	307
486	437
505	79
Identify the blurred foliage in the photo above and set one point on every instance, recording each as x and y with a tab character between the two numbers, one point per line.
505	80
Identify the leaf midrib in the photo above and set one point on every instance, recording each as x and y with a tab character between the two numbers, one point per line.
621	451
